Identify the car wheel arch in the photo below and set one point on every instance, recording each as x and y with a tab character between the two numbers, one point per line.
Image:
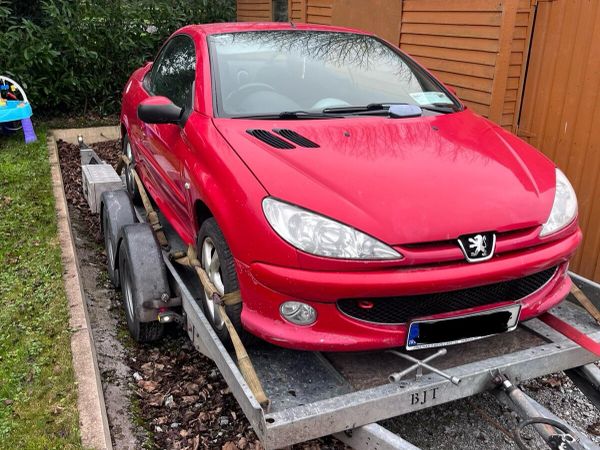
201	213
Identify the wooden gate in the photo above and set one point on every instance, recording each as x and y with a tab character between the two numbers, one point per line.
561	108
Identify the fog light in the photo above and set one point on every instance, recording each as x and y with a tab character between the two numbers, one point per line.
298	313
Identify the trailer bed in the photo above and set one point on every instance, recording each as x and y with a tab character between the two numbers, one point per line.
316	394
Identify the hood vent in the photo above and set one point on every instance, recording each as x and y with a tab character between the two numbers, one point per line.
291	135
270	139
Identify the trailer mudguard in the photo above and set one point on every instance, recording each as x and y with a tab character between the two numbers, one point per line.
146	268
116	211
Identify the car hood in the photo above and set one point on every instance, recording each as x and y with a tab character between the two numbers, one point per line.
404	181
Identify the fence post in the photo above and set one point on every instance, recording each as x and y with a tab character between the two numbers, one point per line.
507	30
297	10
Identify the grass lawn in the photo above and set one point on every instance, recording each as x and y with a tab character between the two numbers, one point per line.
38	398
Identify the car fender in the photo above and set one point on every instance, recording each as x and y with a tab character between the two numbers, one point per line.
220	180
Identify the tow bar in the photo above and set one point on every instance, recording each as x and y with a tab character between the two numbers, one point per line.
555	433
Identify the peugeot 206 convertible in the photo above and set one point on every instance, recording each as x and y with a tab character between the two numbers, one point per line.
353	200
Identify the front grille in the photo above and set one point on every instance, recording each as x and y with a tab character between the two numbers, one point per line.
395	310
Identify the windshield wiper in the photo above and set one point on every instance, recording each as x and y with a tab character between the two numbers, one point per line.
375	107
291	115
443	108
378	108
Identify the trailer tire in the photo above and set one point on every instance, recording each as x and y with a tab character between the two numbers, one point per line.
211	240
143	281
116	212
130	183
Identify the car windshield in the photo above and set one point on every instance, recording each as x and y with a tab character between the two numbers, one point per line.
272	72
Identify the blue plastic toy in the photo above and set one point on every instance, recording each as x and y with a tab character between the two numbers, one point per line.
14	109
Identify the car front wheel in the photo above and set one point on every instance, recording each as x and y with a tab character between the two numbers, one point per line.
216	259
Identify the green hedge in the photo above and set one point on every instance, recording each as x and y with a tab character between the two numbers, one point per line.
75	56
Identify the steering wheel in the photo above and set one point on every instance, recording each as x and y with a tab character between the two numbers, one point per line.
329	102
249	88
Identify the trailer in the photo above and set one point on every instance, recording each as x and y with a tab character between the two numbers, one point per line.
314	394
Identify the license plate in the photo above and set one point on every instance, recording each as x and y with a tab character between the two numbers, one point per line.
456	330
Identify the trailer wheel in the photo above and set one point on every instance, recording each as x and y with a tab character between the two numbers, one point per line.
216	259
117	211
144	282
132	188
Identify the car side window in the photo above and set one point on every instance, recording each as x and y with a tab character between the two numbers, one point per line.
173	72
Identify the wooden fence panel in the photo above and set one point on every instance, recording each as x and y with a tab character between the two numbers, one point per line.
460	42
297	10
561	109
382	16
254	10
319	11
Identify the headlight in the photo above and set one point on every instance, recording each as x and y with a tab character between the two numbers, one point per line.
318	235
564	208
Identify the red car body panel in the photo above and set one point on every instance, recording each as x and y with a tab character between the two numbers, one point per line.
415	184
405	163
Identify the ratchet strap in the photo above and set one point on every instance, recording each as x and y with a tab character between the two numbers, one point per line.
231	298
190	259
123	161
151	214
571	332
585	302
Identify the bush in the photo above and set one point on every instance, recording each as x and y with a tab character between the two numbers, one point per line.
76	55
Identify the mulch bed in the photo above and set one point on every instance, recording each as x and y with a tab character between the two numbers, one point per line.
70	167
183	399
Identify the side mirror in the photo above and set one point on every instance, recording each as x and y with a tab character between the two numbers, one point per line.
159	110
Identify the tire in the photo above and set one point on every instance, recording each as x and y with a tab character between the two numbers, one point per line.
143	280
130	183
117	211
211	242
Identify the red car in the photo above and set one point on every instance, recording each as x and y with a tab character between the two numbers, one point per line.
350	196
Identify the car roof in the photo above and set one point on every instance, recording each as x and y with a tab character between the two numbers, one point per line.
233	27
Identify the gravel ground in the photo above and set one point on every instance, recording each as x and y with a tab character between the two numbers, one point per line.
170	396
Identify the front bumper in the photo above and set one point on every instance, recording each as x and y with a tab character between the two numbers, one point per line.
264	287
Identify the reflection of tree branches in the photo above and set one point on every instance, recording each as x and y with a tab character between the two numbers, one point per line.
339	49
399	140
174	72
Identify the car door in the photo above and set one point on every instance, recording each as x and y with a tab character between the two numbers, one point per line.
172	76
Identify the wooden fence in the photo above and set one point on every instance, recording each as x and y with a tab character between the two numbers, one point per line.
561	108
254	10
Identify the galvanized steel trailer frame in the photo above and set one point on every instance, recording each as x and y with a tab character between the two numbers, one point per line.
331	406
